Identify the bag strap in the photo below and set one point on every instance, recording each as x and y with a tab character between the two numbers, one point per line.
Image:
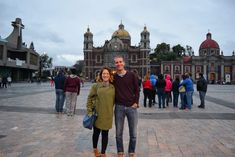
94	105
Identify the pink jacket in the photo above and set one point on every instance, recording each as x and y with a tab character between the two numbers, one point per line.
168	83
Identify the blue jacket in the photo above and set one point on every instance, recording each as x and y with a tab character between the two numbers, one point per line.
153	80
59	81
188	84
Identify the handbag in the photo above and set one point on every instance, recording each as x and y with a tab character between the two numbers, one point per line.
89	120
182	89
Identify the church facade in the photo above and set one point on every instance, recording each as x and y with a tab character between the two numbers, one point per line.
16	59
216	67
136	57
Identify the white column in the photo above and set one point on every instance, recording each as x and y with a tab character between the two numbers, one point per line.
182	68
193	71
204	71
172	70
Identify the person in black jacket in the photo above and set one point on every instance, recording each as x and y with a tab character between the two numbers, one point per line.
161	84
175	89
202	88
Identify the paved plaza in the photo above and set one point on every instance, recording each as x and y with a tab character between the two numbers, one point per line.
29	126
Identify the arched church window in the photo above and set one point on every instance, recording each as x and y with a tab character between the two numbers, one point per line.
167	68
86	45
212	52
177	68
145	36
144	45
187	69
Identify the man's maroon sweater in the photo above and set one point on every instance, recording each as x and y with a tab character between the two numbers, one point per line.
126	89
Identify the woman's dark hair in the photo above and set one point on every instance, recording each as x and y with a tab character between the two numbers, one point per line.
177	78
183	77
160	76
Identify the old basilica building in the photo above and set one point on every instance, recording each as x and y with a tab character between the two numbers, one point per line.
136	57
211	61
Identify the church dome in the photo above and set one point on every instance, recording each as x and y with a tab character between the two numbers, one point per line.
121	32
209	43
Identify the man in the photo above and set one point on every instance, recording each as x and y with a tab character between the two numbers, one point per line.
126	100
59	89
202	88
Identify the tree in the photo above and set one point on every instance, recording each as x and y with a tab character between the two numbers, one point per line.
44	63
179	50
79	66
162	53
162	48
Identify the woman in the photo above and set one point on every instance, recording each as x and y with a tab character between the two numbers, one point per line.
72	90
102	94
168	88
147	90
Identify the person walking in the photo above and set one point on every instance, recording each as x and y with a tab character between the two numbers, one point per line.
126	104
202	89
9	80
72	90
4	82
0	81
103	94
175	90
161	84
147	90
59	90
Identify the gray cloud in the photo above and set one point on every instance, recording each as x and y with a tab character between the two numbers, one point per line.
57	26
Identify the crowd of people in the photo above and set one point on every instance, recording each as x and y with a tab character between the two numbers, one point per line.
5	81
164	86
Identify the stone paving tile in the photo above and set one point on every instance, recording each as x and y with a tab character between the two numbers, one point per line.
53	135
47	135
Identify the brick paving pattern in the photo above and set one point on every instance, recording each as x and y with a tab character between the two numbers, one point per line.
29	126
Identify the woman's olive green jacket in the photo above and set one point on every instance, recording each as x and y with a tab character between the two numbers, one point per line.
103	98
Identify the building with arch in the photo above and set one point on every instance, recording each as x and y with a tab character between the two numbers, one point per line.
16	59
216	67
136	57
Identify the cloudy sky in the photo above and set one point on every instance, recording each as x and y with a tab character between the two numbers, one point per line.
57	26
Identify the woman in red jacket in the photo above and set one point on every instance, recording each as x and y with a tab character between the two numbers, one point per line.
147	89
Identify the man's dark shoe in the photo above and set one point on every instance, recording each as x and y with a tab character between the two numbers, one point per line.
200	106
